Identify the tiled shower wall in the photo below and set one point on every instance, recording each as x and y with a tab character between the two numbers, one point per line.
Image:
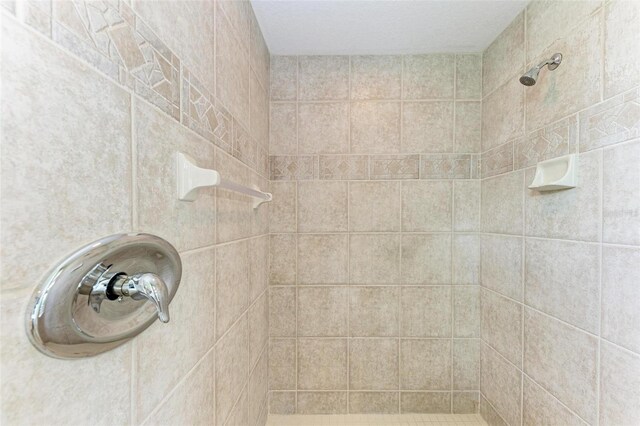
374	277
96	99
560	295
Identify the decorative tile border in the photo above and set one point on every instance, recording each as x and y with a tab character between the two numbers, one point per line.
351	167
293	167
497	160
446	166
395	167
612	121
552	141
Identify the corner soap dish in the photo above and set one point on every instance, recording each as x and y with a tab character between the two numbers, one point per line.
557	173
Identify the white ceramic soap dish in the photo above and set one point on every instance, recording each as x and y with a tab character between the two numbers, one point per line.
557	173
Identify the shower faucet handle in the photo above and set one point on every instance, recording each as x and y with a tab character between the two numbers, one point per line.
144	286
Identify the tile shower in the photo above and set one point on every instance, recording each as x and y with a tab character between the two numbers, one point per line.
403	265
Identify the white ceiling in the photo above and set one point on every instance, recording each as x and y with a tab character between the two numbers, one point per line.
342	27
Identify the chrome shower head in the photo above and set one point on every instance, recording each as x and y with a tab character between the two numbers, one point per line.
531	76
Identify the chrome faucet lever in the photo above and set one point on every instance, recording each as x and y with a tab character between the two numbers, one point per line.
142	286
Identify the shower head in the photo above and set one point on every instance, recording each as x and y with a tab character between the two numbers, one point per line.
531	76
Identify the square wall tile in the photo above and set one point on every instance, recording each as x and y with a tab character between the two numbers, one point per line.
469	76
373	402
620	67
283	128
282	402
502	204
466	205
426	206
375	127
282	210
468	127
322	364
323	128
258	317
258	388
620	294
232	284
503	114
426	259
373	311
465	402
490	415
509	44
322	206
621	203
466	364
619	386
323	259
427	127
374	206
374	258
323	311
425	311
373	364
563	360
502	264
323	77
501	384
466	259
428	76
322	403
282	364
540	407
282	311
376	77
284	78
425	402
282	259
466	311
425	364
563	279
232	367
501	325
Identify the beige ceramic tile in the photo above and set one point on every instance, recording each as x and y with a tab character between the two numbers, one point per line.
239	415
282	311
282	364
466	364
66	184
239	14
465	402
232	372
540	407
233	210
425	402
373	311
323	77
498	160
323	311
501	325
426	259
282	210
322	259
151	354
466	205
619	386
426	206
322	402
374	206
621	201
428	76
466	259
322	206
282	259
373	364
509	44
322	364
425	311
567	287
323	128
466	311
469	76
373	402
501	264
427	127
258	388
282	402
563	91
468	127
259	53
374	258
425	364
489	414
563	360
284	78
258	266
232	284
568	214
258	316
620	292
376	77
501	384
343	167
375	127
502	204
503	114
283	137
620	39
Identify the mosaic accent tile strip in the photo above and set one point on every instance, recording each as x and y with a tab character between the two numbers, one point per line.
395	167
549	142
446	166
497	160
293	167
111	38
612	121
201	115
354	167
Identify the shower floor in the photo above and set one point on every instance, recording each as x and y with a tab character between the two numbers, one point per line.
377	419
